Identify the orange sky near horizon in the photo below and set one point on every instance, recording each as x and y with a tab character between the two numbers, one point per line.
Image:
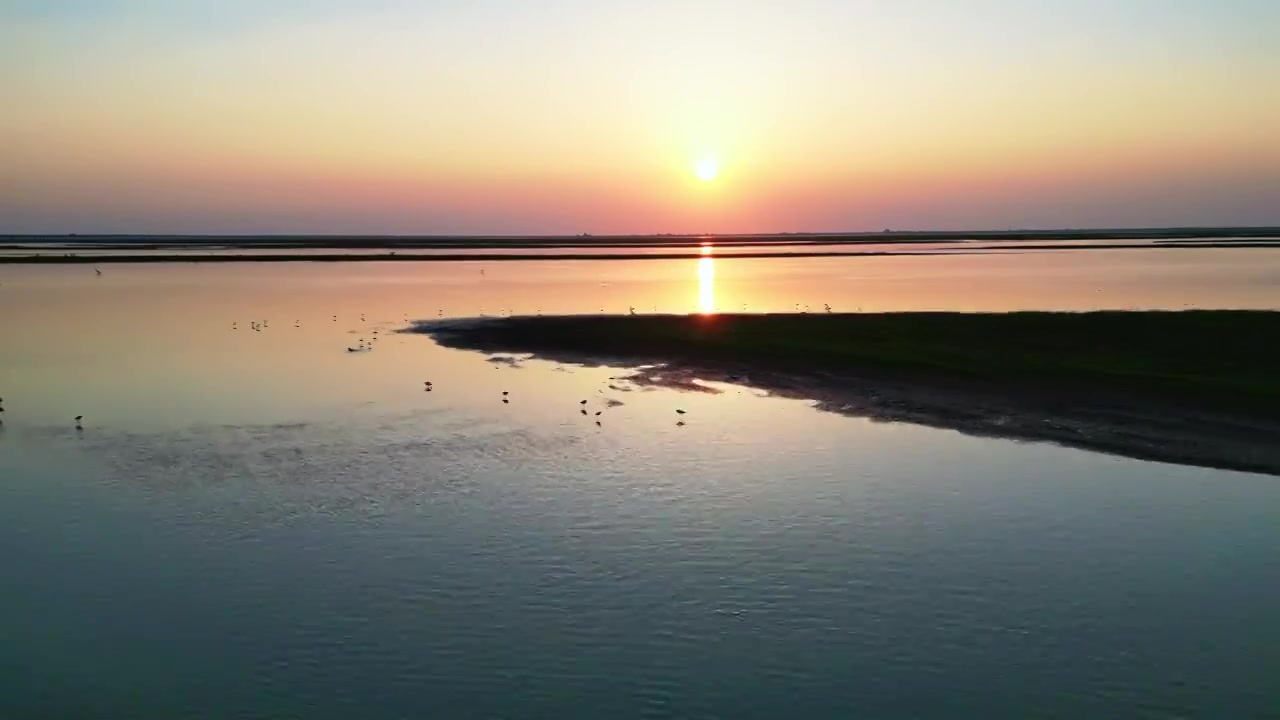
497	118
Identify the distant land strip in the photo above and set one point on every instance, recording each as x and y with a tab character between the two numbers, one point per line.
66	256
293	241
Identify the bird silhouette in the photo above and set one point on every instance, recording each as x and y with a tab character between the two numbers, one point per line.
78	419
679	411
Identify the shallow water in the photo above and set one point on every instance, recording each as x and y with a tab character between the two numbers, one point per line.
262	524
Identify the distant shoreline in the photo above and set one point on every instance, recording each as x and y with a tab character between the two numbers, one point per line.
1195	387
82	255
346	241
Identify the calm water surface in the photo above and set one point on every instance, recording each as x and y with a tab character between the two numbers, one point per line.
262	524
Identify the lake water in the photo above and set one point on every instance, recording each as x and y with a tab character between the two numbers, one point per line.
261	524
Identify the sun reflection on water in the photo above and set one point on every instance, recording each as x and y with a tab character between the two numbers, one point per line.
706	282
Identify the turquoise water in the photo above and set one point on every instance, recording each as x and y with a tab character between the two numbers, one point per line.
262	525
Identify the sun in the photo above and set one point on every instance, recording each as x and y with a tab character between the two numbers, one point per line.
707	169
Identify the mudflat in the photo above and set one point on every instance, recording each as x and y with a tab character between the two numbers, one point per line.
1191	387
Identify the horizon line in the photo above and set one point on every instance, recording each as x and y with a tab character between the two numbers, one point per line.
1181	229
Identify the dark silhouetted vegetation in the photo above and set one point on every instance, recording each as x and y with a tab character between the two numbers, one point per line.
1213	359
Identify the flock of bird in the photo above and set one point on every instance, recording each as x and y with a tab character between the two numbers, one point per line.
428	386
362	346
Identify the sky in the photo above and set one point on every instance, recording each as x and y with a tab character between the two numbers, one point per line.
571	116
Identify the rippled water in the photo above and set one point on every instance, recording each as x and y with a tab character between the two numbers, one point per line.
261	524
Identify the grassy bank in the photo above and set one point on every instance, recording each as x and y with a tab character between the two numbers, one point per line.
1223	360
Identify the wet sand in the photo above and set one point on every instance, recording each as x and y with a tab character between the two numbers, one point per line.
1131	384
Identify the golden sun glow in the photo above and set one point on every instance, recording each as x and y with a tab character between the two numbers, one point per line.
707	169
706	282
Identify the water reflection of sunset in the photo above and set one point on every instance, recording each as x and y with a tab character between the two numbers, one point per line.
706	281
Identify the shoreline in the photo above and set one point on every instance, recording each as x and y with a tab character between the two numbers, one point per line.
287	240
125	248
960	248
1131	402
